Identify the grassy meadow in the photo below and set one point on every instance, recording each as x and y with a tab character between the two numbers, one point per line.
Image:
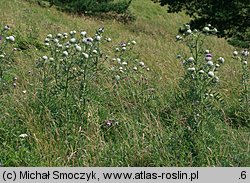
126	118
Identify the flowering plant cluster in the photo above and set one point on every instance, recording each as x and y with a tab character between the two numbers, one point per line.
124	64
6	41
244	109
201	67
198	96
68	68
129	72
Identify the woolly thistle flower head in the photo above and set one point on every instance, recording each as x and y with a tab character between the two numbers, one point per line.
190	59
208	57
206	29
191	69
83	33
6	27
11	38
245	53
189	31
221	60
210	63
211	73
235	53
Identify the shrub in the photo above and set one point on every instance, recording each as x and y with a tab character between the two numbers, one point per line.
93	6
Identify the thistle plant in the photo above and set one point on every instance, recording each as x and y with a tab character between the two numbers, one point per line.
129	73
198	96
200	72
244	101
67	70
6	41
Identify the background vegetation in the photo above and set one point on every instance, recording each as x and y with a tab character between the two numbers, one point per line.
231	17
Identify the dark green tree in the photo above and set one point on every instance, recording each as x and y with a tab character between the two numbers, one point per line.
92	6
230	17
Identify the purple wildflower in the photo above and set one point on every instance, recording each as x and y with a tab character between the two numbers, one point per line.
209	55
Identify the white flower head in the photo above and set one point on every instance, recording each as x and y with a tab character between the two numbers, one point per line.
73	32
235	53
211	73
109	39
206	29
207	51
65	53
245	53
117	77
141	64
78	48
244	62
83	33
187	26
124	48
95	51
23	135
59	45
133	42
72	40
124	63
49	36
216	79
201	71
135	68
88	40
12	38
101	29
214	30
189	31
51	59
221	60
98	38
45	57
56	40
191	59
208	58
6	27
59	35
178	37
191	69
118	60
85	55
210	63
2	56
